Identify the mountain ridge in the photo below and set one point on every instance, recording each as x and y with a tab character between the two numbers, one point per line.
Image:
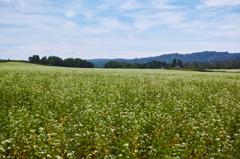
205	56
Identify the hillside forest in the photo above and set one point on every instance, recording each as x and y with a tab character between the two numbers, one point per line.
200	57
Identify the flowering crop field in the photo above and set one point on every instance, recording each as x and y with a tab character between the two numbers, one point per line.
54	112
226	70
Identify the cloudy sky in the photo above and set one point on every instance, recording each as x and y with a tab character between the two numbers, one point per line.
117	28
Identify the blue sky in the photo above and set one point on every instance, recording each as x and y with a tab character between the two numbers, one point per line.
91	29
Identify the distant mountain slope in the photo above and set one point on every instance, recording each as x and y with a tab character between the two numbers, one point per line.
206	56
101	62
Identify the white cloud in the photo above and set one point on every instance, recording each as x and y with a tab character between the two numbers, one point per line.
131	5
69	14
112	23
170	17
218	3
37	21
145	19
163	4
153	27
6	1
9	48
104	6
150	4
142	25
69	25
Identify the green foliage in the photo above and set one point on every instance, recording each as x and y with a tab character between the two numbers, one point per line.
57	61
113	64
188	65
44	60
167	66
174	63
150	65
180	63
218	65
34	59
54	112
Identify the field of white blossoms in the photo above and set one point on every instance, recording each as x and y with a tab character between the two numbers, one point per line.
54	112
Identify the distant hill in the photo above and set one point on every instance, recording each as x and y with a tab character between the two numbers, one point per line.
206	56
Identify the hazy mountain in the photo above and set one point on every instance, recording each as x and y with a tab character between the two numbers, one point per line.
206	56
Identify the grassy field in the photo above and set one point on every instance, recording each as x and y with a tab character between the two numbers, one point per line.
54	112
20	65
226	70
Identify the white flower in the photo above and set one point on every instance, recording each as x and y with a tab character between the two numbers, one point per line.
126	145
2	149
32	131
177	145
69	154
183	144
59	157
41	129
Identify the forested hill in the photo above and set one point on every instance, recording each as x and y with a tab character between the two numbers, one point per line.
206	56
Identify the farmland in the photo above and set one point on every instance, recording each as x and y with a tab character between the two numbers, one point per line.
226	70
54	112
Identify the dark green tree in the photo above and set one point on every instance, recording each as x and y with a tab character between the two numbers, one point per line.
180	63
174	62
218	64
44	60
57	61
34	59
156	64
167	66
90	65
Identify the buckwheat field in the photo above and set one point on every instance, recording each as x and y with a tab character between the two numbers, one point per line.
53	112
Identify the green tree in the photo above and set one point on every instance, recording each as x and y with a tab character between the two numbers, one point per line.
217	64
115	64
156	64
44	60
180	63
174	62
34	59
167	66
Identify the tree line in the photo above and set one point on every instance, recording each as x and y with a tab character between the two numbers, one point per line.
217	65
149	65
70	62
176	62
57	61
